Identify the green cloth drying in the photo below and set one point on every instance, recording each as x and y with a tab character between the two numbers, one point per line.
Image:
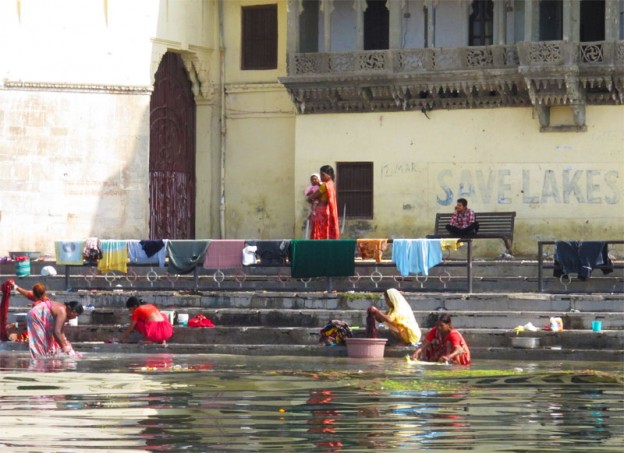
185	255
322	258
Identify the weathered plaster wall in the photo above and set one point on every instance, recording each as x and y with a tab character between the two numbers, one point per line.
75	81
72	165
259	195
562	185
259	144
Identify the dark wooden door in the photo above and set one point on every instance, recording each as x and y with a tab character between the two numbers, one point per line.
172	152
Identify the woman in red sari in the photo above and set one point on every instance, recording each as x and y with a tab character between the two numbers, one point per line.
148	321
325	220
444	344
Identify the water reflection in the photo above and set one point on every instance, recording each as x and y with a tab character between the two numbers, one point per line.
231	403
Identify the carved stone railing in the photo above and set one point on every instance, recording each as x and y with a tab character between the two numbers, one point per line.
559	53
541	74
404	61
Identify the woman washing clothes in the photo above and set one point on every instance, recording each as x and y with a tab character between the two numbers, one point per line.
399	318
45	322
148	321
444	344
36	295
325	218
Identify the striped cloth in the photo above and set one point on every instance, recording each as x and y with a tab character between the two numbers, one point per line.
114	256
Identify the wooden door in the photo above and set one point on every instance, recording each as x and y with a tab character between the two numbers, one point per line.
172	152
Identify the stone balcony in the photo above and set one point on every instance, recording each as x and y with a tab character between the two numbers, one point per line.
539	74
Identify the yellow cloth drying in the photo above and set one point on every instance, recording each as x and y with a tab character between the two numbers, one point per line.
114	256
450	244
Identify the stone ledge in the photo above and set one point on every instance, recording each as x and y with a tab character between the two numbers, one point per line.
392	352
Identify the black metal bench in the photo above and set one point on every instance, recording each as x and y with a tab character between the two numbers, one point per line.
492	225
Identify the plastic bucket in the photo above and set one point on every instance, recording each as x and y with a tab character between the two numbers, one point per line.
183	319
22	268
366	348
170	314
596	326
73	322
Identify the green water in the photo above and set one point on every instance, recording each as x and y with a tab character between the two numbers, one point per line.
212	403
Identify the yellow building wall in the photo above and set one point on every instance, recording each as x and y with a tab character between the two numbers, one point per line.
259	139
562	185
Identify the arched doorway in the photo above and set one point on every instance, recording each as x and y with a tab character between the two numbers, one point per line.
172	152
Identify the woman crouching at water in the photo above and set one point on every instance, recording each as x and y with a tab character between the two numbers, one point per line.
443	344
45	323
399	318
148	321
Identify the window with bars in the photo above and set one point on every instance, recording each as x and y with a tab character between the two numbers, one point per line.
354	186
259	37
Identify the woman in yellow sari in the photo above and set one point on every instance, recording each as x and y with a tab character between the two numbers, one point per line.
399	318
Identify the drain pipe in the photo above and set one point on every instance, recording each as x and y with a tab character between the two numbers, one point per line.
222	122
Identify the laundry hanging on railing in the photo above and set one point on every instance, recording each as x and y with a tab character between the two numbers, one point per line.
185	255
224	254
114	256
581	257
69	253
322	258
416	256
148	251
372	248
271	252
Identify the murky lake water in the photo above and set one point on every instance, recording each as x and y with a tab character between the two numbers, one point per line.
206	403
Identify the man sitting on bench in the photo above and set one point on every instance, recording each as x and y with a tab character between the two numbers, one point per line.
463	222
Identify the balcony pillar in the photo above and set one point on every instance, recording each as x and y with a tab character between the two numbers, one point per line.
396	9
294	8
360	8
500	22
430	7
571	20
531	20
612	13
327	8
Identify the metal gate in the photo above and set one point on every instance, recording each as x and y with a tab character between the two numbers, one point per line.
172	152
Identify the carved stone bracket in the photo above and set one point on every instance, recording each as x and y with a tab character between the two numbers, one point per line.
197	65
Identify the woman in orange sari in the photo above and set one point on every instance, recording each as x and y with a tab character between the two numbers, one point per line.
325	220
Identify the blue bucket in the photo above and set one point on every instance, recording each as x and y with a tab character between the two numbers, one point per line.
22	268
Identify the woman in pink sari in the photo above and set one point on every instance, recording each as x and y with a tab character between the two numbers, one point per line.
45	323
325	219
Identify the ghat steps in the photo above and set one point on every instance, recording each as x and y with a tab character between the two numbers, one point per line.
288	323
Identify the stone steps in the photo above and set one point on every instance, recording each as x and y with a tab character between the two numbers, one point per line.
279	318
317	318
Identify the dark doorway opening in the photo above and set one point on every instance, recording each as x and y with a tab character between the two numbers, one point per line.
592	20
376	25
550	20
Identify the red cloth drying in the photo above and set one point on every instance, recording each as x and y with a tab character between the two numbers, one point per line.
4	309
200	321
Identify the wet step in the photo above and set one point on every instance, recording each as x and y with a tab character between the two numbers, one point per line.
585	339
556	353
